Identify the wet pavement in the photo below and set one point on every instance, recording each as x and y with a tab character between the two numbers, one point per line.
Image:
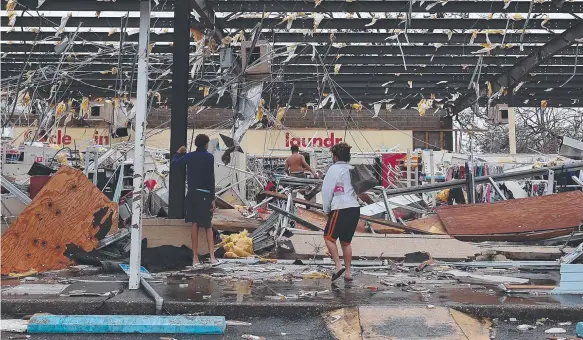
270	288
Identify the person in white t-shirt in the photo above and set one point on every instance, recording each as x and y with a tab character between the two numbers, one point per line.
341	205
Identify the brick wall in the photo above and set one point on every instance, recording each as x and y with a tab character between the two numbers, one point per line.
331	119
294	119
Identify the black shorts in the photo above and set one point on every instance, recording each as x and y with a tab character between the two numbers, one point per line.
198	207
298	174
342	225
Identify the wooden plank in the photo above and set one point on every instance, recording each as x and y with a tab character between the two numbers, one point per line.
362	217
308	243
431	224
516	237
408	322
542	213
69	210
344	323
232	220
319	218
468	277
543	287
472	328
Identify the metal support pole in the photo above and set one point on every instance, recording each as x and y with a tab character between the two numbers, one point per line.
95	164
578	181
471	187
179	113
87	158
550	183
140	141
288	207
498	191
432	172
390	212
512	130
408	168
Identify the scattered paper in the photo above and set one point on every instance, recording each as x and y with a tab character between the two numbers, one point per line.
377	109
317	19
555	331
373	21
64	20
525	327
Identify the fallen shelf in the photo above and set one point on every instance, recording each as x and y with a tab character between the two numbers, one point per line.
387	224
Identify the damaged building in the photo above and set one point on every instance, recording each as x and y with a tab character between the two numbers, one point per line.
98	96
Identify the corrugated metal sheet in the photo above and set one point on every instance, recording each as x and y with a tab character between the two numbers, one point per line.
552	212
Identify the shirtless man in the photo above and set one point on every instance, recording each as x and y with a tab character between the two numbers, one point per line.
296	164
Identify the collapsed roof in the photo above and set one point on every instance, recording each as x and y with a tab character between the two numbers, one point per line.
439	55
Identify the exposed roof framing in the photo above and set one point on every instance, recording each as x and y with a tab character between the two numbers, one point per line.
493	6
429	51
513	75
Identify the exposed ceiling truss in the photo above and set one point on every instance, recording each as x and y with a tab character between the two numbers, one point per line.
453	53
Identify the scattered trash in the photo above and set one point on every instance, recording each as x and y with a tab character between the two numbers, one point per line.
183	285
512	320
555	331
373	288
252	337
14	325
237	323
430	306
568	323
206	297
315	275
335	318
525	327
417	257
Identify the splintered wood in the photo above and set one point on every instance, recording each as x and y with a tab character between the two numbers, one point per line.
69	210
531	218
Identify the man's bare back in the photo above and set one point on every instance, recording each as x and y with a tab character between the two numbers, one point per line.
296	163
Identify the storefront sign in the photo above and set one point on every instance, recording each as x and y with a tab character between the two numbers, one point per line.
315	141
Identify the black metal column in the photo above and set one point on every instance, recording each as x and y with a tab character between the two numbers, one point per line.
179	118
448	141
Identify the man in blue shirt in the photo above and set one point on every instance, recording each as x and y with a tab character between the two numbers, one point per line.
200	199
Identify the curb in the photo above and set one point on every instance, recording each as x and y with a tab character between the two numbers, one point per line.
20	307
522	312
144	306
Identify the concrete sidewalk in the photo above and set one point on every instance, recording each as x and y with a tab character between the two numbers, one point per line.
235	291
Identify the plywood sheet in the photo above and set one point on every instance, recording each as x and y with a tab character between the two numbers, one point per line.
471	327
232	220
552	212
344	323
431	224
68	210
410	322
442	247
320	219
